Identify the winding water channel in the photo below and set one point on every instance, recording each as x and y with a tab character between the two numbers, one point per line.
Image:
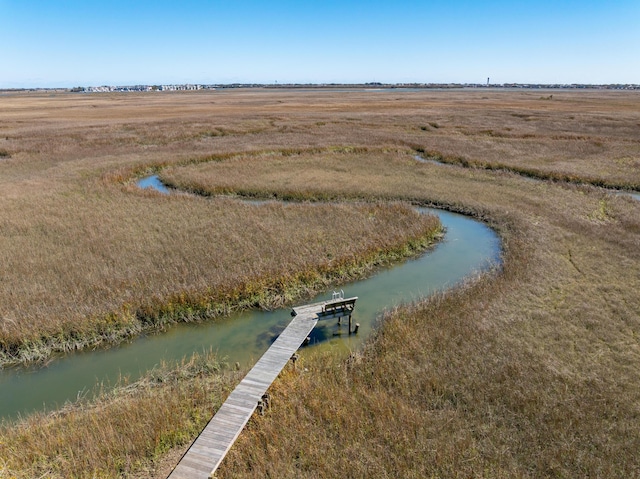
635	196
467	248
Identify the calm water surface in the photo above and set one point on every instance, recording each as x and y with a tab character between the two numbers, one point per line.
154	183
468	247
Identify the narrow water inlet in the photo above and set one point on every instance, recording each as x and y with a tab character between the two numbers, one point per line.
434	161
467	248
152	182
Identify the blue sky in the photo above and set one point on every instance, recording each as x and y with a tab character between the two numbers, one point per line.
51	43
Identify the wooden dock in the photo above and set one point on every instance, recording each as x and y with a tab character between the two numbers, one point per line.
207	451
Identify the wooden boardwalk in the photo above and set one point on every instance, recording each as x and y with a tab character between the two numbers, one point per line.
207	451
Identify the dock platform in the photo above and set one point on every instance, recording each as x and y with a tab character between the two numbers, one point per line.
206	453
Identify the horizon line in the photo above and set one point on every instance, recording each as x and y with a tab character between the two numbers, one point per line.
426	85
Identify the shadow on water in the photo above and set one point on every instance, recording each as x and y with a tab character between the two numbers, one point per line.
265	339
467	248
324	331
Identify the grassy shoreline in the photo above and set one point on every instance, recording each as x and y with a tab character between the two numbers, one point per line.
267	290
123	429
167	407
511	376
536	174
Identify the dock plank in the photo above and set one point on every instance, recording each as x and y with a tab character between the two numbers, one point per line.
206	453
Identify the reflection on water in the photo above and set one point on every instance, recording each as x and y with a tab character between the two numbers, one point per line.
468	247
154	183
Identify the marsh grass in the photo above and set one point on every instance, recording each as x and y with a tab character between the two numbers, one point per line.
580	178
126	429
532	371
511	376
103	269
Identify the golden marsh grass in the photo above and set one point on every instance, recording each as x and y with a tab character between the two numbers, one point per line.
529	372
98	265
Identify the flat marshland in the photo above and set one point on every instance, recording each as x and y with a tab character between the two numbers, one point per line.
533	370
